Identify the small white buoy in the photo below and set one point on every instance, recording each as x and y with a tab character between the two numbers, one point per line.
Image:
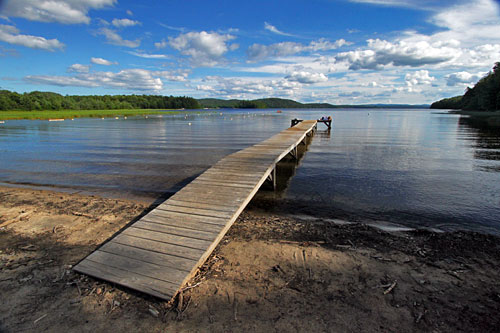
189	124
72	118
102	118
146	117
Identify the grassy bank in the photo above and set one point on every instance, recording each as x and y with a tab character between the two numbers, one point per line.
68	114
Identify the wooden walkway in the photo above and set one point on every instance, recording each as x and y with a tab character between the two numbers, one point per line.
159	253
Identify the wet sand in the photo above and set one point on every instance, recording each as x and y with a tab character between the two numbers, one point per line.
271	272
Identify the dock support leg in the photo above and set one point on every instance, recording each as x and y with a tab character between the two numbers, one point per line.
272	178
293	152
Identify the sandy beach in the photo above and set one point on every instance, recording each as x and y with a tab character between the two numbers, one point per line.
271	272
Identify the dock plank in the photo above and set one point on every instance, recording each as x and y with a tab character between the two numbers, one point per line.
161	251
161	247
157	288
153	271
161	259
166	238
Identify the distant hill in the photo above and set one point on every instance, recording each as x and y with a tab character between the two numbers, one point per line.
273	103
484	96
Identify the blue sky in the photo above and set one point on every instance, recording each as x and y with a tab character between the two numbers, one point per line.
336	51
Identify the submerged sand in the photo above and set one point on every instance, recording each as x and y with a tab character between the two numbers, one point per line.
271	272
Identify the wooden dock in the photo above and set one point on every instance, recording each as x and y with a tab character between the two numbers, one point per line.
159	253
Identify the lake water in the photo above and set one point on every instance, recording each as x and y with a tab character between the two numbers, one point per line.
414	168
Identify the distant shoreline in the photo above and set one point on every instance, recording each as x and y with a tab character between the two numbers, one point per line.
69	114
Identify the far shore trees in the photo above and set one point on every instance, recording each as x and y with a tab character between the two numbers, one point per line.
37	100
484	96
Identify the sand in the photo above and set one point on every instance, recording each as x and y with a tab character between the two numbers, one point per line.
271	272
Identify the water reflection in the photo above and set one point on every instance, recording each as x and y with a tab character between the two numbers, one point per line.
485	139
409	167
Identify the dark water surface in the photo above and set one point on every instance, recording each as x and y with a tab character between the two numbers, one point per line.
409	167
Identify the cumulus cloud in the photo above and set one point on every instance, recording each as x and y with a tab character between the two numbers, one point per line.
62	11
350	94
122	23
114	38
204	48
11	35
101	61
149	55
129	79
161	45
470	22
462	78
79	68
275	30
381	53
306	77
418	78
248	87
258	52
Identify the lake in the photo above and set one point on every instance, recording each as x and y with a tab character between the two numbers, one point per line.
413	168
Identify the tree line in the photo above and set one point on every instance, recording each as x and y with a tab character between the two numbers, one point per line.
38	100
484	96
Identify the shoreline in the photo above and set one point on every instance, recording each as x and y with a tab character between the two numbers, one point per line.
272	271
59	115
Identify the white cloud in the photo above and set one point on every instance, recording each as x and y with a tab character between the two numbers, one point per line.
121	23
275	30
129	79
79	68
470	22
381	53
468	38
204	48
310	63
101	61
114	38
482	56
161	45
248	88
258	52
462	78
418	78
421	4
306	77
11	35
62	11
130	13
149	55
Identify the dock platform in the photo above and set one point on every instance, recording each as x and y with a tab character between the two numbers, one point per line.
162	251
